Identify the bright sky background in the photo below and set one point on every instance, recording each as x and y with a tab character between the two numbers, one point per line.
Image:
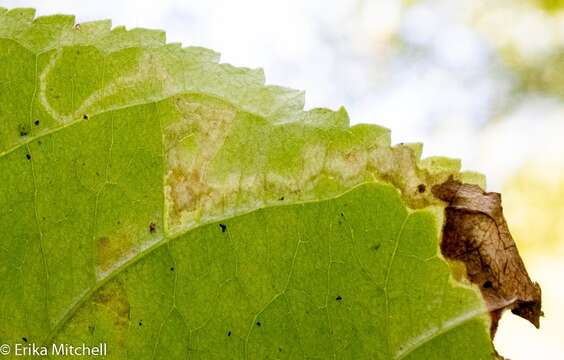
424	72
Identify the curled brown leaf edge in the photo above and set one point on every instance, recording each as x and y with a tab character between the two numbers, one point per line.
475	232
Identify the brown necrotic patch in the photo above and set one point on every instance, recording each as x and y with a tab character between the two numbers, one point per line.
476	233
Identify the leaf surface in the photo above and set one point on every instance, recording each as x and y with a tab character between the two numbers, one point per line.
174	207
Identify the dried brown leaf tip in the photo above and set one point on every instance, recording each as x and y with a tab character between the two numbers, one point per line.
476	233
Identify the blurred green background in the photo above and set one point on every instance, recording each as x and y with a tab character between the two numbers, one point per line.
477	80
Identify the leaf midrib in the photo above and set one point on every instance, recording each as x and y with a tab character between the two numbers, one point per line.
163	241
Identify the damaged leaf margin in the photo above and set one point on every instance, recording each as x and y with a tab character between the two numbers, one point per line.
476	233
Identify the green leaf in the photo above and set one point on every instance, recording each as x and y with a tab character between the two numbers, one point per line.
171	206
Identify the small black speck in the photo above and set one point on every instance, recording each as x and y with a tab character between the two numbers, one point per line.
171	269
342	214
281	198
421	188
23	130
85	117
488	284
36	122
376	247
338	298
229	333
91	328
24	339
141	323
223	227
27	156
279	349
152	227
258	323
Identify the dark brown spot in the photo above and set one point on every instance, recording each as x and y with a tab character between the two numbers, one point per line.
421	188
36	122
281	198
171	269
85	117
338	298
258	323
152	227
487	284
28	156
223	227
24	339
375	247
141	323
229	333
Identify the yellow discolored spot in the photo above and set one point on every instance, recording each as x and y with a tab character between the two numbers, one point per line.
112	304
188	188
112	249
